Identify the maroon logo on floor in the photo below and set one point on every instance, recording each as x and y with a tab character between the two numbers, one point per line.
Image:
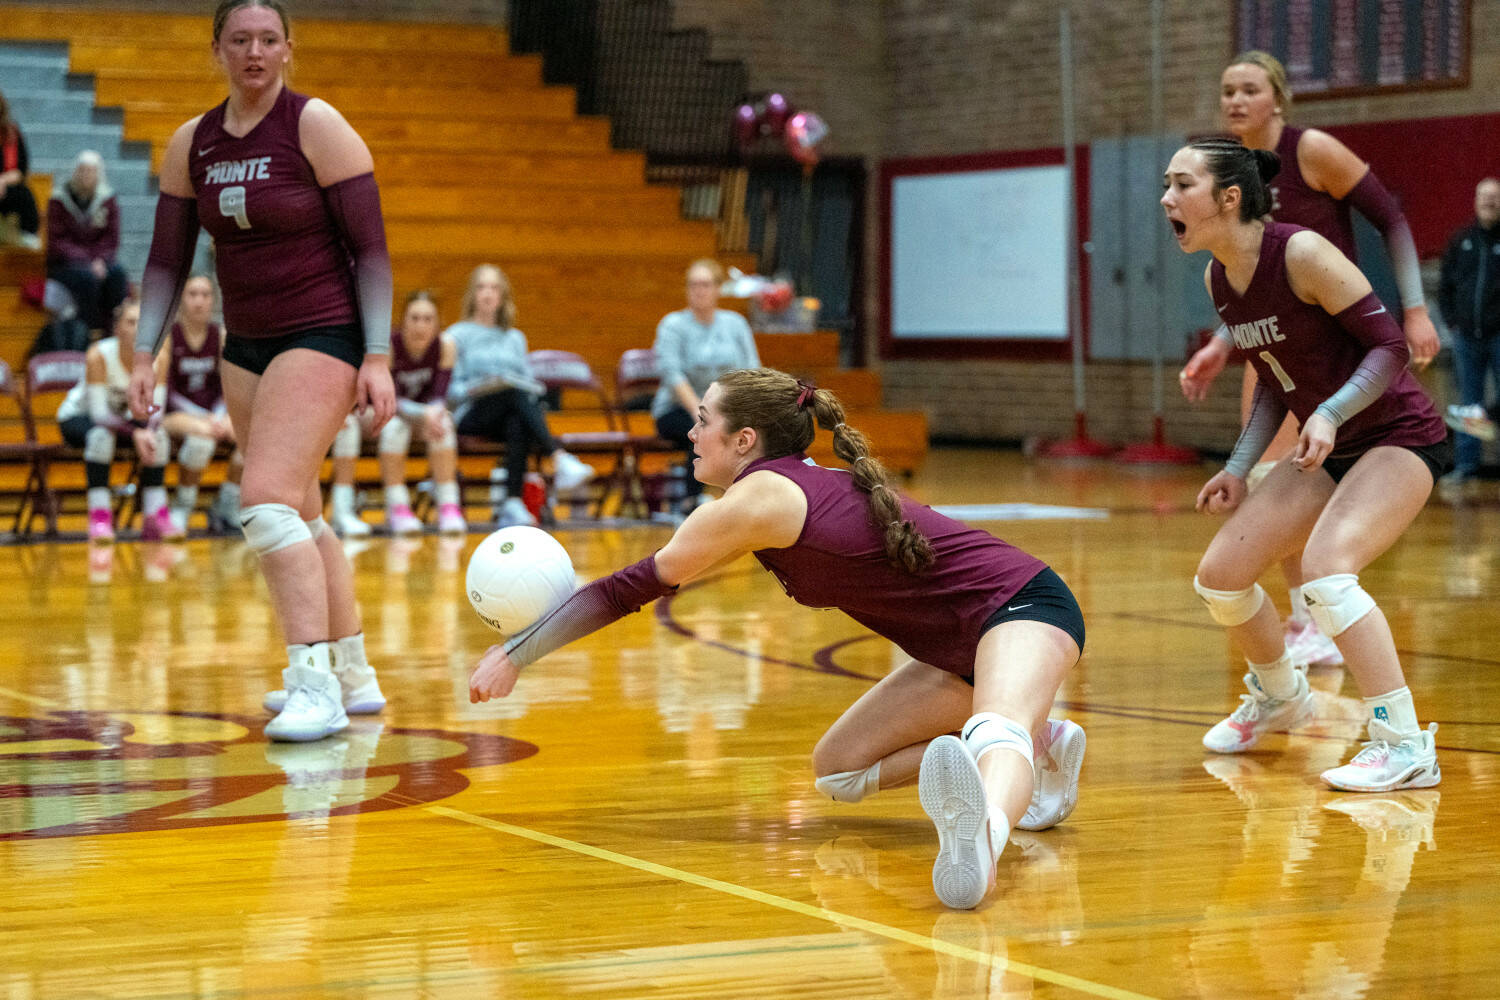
88	773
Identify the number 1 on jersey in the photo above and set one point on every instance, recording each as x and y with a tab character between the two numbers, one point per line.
232	205
1286	380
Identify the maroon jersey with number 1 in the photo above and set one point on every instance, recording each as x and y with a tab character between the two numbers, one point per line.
1302	353
282	265
839	562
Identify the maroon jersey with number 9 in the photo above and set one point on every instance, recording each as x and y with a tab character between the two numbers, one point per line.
282	265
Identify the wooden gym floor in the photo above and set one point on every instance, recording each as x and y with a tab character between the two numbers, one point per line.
639	819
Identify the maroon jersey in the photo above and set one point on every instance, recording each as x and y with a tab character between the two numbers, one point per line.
282	264
1304	355
839	562
193	377
1293	201
419	379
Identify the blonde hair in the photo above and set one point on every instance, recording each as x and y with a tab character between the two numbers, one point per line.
506	315
1275	74
768	401
713	267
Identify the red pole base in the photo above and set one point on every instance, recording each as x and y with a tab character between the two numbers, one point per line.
1157	451
1081	446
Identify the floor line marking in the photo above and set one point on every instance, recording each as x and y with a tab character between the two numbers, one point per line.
30	699
816	912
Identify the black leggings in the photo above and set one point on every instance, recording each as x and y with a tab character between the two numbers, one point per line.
674	426
20	202
514	417
95	297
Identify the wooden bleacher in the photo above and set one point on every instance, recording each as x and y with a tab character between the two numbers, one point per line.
479	161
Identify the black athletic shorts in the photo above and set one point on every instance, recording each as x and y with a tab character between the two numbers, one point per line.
1437	457
254	354
1045	598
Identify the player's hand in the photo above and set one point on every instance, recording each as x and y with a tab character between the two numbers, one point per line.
1198	375
142	386
494	676
1315	443
1421	338
145	444
1221	494
374	392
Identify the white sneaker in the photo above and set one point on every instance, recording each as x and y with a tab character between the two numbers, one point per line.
1309	647
1056	768
1389	762
569	473
1472	420
347	524
513	512
1259	714
401	521
451	520
313	709
358	686
952	794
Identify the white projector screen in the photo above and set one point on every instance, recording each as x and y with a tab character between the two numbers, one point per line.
980	255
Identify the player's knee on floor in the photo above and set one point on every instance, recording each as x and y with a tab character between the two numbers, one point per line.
1336	602
395	437
99	445
270	527
196	451
988	731
346	441
1231	607
850	786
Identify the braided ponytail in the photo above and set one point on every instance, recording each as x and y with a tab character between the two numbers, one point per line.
786	412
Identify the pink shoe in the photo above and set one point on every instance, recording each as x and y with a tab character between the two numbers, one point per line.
451	519
159	527
402	521
101	527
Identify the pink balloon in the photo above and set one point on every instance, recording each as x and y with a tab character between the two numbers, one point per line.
804	132
778	110
746	125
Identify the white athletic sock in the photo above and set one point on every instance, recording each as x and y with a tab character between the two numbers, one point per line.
1395	709
312	655
999	831
153	499
1300	614
1277	679
397	496
446	493
98	498
343	497
349	652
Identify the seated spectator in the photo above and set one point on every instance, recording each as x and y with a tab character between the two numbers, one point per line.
421	366
196	413
95	414
83	236
495	396
694	346
18	215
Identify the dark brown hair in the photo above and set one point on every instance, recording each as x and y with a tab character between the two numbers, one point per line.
1232	164
227	7
767	400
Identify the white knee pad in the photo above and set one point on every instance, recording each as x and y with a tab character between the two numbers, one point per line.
850	786
1336	602
395	437
988	731
99	445
163	448
346	441
270	527
1231	607
316	527
196	451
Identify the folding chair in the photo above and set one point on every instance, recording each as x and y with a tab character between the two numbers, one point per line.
37	494
637	376
566	374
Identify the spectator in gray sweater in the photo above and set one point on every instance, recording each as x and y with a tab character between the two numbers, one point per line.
495	396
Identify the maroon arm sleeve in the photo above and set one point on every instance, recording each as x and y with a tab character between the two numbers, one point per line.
172	243
589	609
1379	206
1369	322
354	205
